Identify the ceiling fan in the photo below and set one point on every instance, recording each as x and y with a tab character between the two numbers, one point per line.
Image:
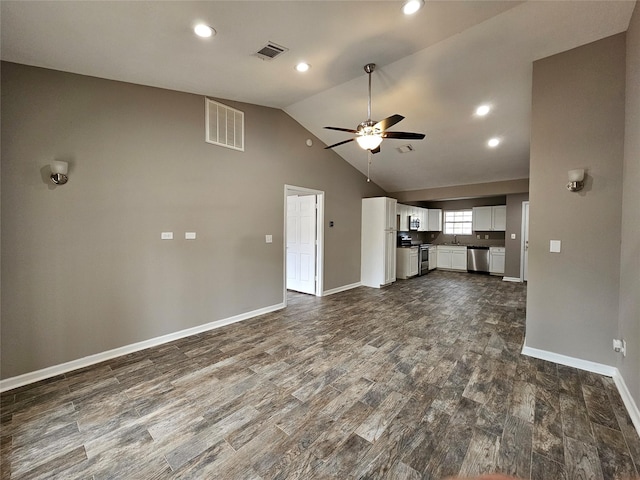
369	134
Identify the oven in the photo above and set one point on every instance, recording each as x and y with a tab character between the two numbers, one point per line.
423	259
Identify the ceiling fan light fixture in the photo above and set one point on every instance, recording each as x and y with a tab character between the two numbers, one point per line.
369	141
412	6
303	67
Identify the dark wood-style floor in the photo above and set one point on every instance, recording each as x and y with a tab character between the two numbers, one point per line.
423	379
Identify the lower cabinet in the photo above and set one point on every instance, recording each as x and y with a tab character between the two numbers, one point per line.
406	262
433	258
496	260
452	257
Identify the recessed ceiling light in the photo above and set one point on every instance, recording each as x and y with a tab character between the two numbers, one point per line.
412	6
303	67
493	142
482	110
204	31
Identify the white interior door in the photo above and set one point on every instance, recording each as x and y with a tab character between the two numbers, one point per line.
301	243
525	241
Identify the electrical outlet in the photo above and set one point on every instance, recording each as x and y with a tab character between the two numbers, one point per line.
478	236
486	237
166	236
268	238
620	346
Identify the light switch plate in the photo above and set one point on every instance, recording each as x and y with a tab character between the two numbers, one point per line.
555	246
268	238
513	236
166	236
189	235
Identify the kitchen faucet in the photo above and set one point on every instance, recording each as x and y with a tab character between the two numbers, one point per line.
455	239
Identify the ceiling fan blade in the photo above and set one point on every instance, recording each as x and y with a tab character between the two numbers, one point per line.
340	143
403	135
389	122
342	129
376	150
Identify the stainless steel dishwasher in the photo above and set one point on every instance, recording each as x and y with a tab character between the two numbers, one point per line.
477	259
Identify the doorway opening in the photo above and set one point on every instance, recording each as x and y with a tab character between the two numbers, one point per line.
303	245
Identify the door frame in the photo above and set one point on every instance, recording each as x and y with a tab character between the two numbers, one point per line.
294	190
524	228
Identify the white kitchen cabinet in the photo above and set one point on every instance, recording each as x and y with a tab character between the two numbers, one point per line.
459	258
389	266
499	218
423	215
403	213
496	260
451	257
407	262
390	205
443	257
378	242
433	258
434	220
490	219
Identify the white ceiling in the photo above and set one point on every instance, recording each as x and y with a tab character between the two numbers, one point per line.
434	67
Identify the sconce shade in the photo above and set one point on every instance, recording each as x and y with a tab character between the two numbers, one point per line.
576	180
59	167
576	175
59	171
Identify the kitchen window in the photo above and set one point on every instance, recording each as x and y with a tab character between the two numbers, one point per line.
458	222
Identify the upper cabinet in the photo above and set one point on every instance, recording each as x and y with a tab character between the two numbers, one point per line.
490	218
403	214
390	208
435	220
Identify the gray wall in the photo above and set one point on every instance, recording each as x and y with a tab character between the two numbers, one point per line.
513	252
83	266
577	121
630	257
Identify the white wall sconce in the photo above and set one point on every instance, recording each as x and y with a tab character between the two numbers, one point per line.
576	180
59	171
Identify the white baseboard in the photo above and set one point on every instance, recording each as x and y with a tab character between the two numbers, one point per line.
607	370
512	279
628	401
578	363
31	377
343	288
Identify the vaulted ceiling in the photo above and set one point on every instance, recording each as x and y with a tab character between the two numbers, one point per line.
434	67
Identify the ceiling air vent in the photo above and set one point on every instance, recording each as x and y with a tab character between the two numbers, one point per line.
224	125
405	148
270	51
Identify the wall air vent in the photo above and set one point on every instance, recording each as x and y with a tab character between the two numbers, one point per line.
405	148
224	125
270	51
